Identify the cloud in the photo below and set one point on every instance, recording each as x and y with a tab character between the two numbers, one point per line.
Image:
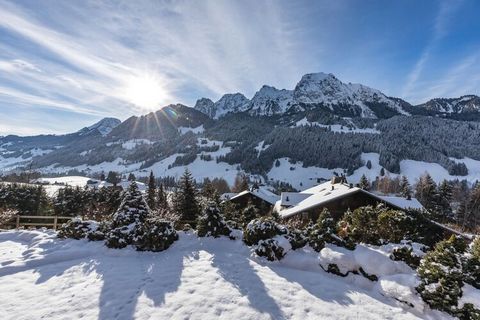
444	16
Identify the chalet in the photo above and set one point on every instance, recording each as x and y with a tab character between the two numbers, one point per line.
337	196
259	196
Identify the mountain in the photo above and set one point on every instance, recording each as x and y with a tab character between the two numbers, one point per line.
269	101
104	127
313	91
231	102
205	106
464	104
321	127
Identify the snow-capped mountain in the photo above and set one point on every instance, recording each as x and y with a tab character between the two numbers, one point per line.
269	101
314	90
326	90
231	102
464	104
104	126
206	106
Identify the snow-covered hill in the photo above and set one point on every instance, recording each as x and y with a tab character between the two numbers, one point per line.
464	104
43	277
104	126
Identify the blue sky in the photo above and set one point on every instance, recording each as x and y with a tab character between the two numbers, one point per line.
67	64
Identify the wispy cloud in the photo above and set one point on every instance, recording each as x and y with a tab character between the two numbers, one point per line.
79	59
444	16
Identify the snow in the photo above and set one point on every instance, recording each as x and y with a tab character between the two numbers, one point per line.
261	146
402	202
336	127
52	185
133	143
195	130
299	177
199	168
413	169
262	192
470	295
196	278
104	126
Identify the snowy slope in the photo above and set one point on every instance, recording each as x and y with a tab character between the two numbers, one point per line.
104	126
231	102
326	89
468	103
44	277
269	101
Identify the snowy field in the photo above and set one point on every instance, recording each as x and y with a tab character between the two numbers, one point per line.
42	277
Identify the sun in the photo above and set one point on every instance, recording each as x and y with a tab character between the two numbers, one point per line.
145	91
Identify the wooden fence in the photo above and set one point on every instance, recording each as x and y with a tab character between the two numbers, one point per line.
40	221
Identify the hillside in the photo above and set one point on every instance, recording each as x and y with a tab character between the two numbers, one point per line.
321	127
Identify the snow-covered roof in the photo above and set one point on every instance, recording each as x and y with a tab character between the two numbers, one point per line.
402	202
326	192
227	195
288	199
319	195
262	192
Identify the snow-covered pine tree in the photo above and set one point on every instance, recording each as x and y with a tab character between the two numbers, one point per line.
151	190
185	202
364	183
132	212
324	230
249	213
211	222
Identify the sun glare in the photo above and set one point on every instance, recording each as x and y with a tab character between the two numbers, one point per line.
145	91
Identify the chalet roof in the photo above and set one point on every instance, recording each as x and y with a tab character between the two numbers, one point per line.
261	192
288	199
326	192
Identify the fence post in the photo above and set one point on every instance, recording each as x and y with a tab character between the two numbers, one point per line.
17	223
55	223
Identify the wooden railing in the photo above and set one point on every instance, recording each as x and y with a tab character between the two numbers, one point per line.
46	221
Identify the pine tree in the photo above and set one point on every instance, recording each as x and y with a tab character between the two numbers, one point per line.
208	191
249	213
211	222
131	177
382	172
405	189
133	211
186	204
445	197
364	183
102	176
426	193
369	164
473	213
162	203
151	191
113	178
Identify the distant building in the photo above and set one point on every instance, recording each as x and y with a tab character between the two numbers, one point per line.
259	196
337	196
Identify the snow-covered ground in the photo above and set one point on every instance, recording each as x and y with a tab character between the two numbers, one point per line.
197	278
336	127
52	185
